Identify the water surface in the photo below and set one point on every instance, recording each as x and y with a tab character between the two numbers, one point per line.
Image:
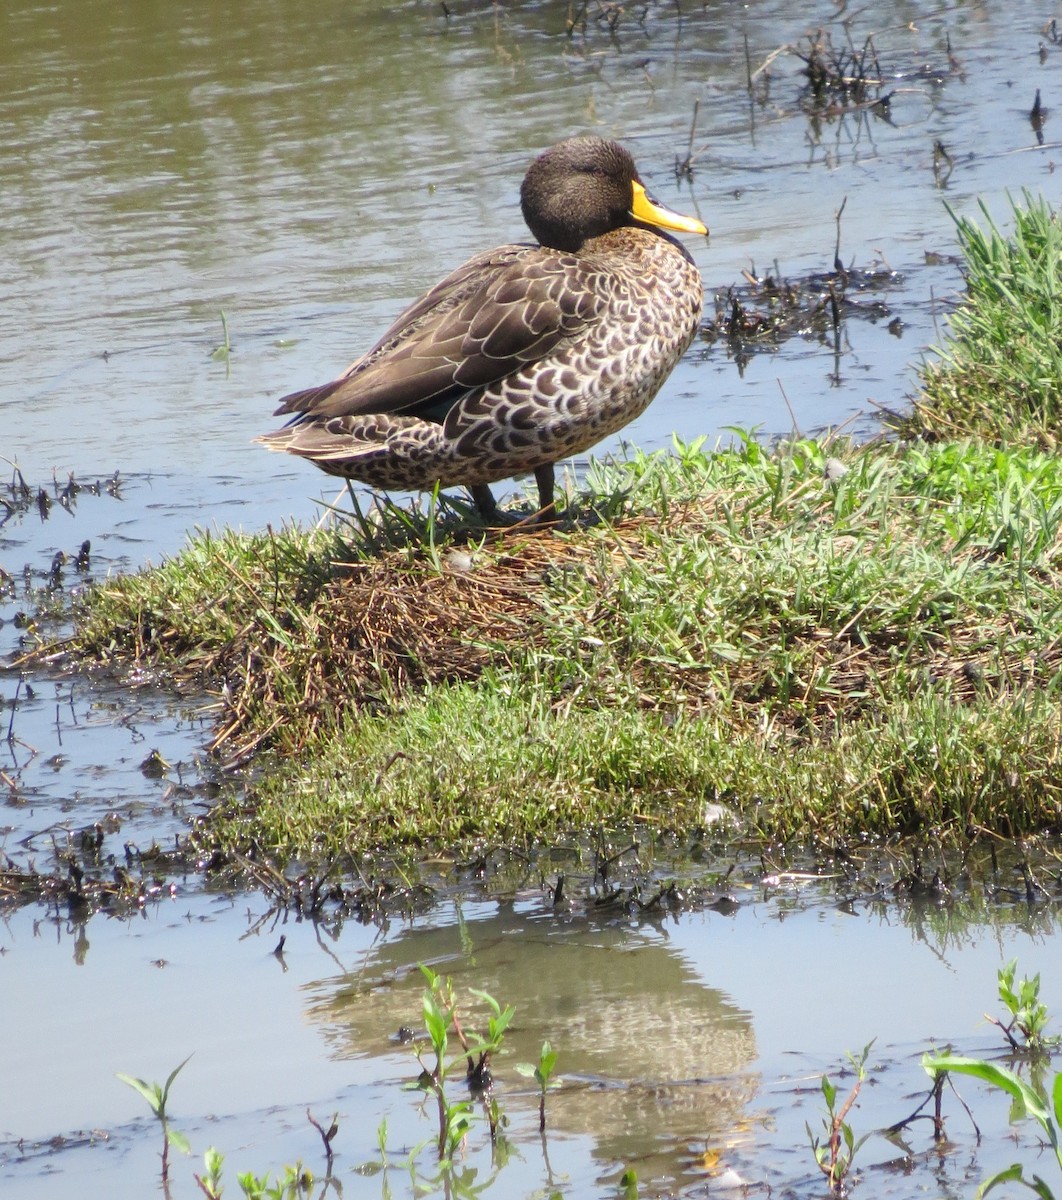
687	1047
308	170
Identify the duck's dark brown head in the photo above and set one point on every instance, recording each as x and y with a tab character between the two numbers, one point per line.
586	186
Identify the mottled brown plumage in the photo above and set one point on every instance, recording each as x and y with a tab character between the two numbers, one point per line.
525	354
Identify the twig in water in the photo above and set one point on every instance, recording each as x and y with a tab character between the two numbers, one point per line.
838	266
326	1135
684	169
14	705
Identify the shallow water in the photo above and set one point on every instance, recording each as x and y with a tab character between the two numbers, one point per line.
687	1047
306	171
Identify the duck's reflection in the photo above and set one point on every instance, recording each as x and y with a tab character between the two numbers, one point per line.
652	1060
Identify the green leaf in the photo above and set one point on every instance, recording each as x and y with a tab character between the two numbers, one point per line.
435	1023
1005	975
1040	1188
178	1141
172	1076
488	999
545	1068
1010	1175
499	1026
1013	1174
151	1092
998	1077
251	1186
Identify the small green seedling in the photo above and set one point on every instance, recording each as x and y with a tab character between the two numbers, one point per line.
221	353
439	1008
210	1181
440	1017
295	1182
157	1097
628	1185
1028	1013
835	1157
543	1076
484	1047
1028	1101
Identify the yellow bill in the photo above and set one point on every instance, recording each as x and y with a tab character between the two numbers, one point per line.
652	212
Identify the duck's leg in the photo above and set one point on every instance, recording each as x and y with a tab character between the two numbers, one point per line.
545	479
488	506
484	500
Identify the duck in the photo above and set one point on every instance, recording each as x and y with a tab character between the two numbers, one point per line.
526	354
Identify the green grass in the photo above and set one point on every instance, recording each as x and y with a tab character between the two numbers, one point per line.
464	766
999	377
877	655
829	654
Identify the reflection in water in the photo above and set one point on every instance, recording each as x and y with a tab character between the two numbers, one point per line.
652	1058
709	1033
677	1041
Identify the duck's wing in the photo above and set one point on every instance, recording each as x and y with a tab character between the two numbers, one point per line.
498	312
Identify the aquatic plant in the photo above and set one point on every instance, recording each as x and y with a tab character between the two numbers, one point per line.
383	1164
1029	1015
209	1182
293	1183
440	1016
222	352
157	1097
628	1185
835	1156
542	1073
1029	1101
456	1116
1028	1012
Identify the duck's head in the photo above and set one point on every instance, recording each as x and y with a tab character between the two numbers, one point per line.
586	186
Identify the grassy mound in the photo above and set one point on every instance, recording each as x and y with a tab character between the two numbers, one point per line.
862	642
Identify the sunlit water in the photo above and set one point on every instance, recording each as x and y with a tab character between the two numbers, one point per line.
687	1048
307	171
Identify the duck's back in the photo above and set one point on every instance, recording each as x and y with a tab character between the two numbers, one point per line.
508	320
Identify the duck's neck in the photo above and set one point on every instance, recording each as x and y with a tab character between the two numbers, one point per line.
656	231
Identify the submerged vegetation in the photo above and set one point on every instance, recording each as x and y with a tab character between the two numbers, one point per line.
816	641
